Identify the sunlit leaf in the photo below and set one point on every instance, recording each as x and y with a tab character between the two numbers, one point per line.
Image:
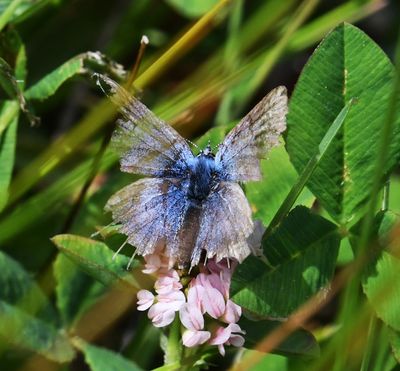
96	259
301	253
100	359
86	63
347	64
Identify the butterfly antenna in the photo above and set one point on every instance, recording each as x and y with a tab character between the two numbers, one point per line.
193	144
119	249
98	77
130	261
205	260
228	262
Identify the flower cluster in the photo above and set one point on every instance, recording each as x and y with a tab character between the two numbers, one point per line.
203	305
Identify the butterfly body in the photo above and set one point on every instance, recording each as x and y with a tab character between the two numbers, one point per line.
203	177
193	205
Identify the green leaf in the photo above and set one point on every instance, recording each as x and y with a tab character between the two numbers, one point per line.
300	342
30	333
96	259
381	279
394	339
100	359
192	8
14	10
85	63
301	256
347	64
76	292
267	362
266	196
17	287
7	157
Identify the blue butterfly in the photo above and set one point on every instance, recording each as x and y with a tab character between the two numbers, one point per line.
193	205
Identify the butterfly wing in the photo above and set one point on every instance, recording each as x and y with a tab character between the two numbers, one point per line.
225	224
150	211
147	144
238	158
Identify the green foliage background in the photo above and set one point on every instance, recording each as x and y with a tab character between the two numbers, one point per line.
332	252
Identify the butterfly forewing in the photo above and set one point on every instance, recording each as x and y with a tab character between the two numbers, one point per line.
146	144
238	158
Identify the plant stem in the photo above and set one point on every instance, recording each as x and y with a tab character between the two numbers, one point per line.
173	352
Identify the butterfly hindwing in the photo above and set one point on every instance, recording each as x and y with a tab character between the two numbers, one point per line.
238	158
147	145
226	224
150	211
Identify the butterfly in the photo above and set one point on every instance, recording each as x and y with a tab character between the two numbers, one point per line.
192	204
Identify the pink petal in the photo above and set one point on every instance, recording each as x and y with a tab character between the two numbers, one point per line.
216	282
174	300
234	327
160	315
236	340
195	296
213	302
153	263
191	317
232	312
221	349
167	284
192	338
221	336
145	299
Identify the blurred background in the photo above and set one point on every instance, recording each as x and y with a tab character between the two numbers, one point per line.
244	50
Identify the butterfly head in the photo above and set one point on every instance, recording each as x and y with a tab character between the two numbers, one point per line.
207	151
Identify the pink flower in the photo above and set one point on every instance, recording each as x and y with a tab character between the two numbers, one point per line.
157	262
192	318
145	300
174	299
161	314
153	263
209	298
195	296
192	338
228	336
168	284
206	297
232	312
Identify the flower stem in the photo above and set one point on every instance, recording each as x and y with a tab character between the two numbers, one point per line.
173	351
